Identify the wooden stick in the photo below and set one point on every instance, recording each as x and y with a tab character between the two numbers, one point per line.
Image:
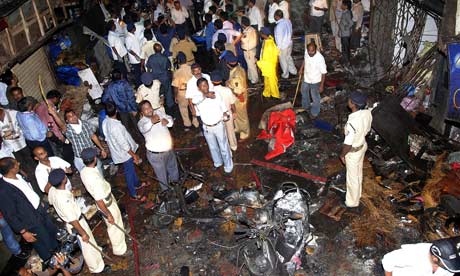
297	89
41	90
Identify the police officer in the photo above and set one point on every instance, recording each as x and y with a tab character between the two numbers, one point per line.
66	207
101	191
239	84
355	146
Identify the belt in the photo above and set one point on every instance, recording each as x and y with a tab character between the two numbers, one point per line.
213	124
355	149
156	152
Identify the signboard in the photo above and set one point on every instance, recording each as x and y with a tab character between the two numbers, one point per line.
453	111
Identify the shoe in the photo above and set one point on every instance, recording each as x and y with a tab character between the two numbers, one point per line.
138	198
23	255
187	129
215	169
228	175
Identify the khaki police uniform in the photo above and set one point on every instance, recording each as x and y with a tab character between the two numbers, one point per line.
238	83
180	78
356	129
249	45
68	210
187	47
100	189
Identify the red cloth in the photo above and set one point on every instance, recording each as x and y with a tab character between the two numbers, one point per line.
281	127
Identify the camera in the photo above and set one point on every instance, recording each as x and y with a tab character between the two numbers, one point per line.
70	248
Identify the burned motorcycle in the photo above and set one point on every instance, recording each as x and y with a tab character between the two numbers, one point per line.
277	233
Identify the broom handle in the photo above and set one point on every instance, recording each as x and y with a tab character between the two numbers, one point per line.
297	88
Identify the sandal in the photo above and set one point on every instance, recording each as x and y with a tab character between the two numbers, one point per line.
143	185
138	198
149	205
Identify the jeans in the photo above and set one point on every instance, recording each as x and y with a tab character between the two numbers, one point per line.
216	137
132	181
45	234
164	165
9	238
345	41
311	89
79	165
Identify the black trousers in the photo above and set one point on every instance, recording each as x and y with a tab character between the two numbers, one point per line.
345	49
137	73
45	232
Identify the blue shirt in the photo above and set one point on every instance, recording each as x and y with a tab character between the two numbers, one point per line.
121	94
165	40
32	127
159	65
208	33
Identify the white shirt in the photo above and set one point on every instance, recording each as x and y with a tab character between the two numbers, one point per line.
314	68
411	260
358	13
192	90
157	136
119	140
139	32
284	6
227	95
211	110
25	188
179	16
3	98
42	172
227	25
283	33
9	125
358	125
229	33
132	44
207	5
255	16
318	4
115	41
366	5
271	12
6	151
65	205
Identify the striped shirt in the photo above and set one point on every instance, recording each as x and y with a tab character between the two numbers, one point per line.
82	140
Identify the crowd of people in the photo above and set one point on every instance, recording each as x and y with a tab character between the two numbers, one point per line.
157	80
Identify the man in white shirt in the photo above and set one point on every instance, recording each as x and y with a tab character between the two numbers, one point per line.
317	9
214	113
355	146
439	258
133	47
17	196
13	138
272	8
123	150
233	36
229	99
154	126
255	16
314	68
283	39
192	90
249	45
3	98
179	16
117	45
284	7
47	164
357	11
